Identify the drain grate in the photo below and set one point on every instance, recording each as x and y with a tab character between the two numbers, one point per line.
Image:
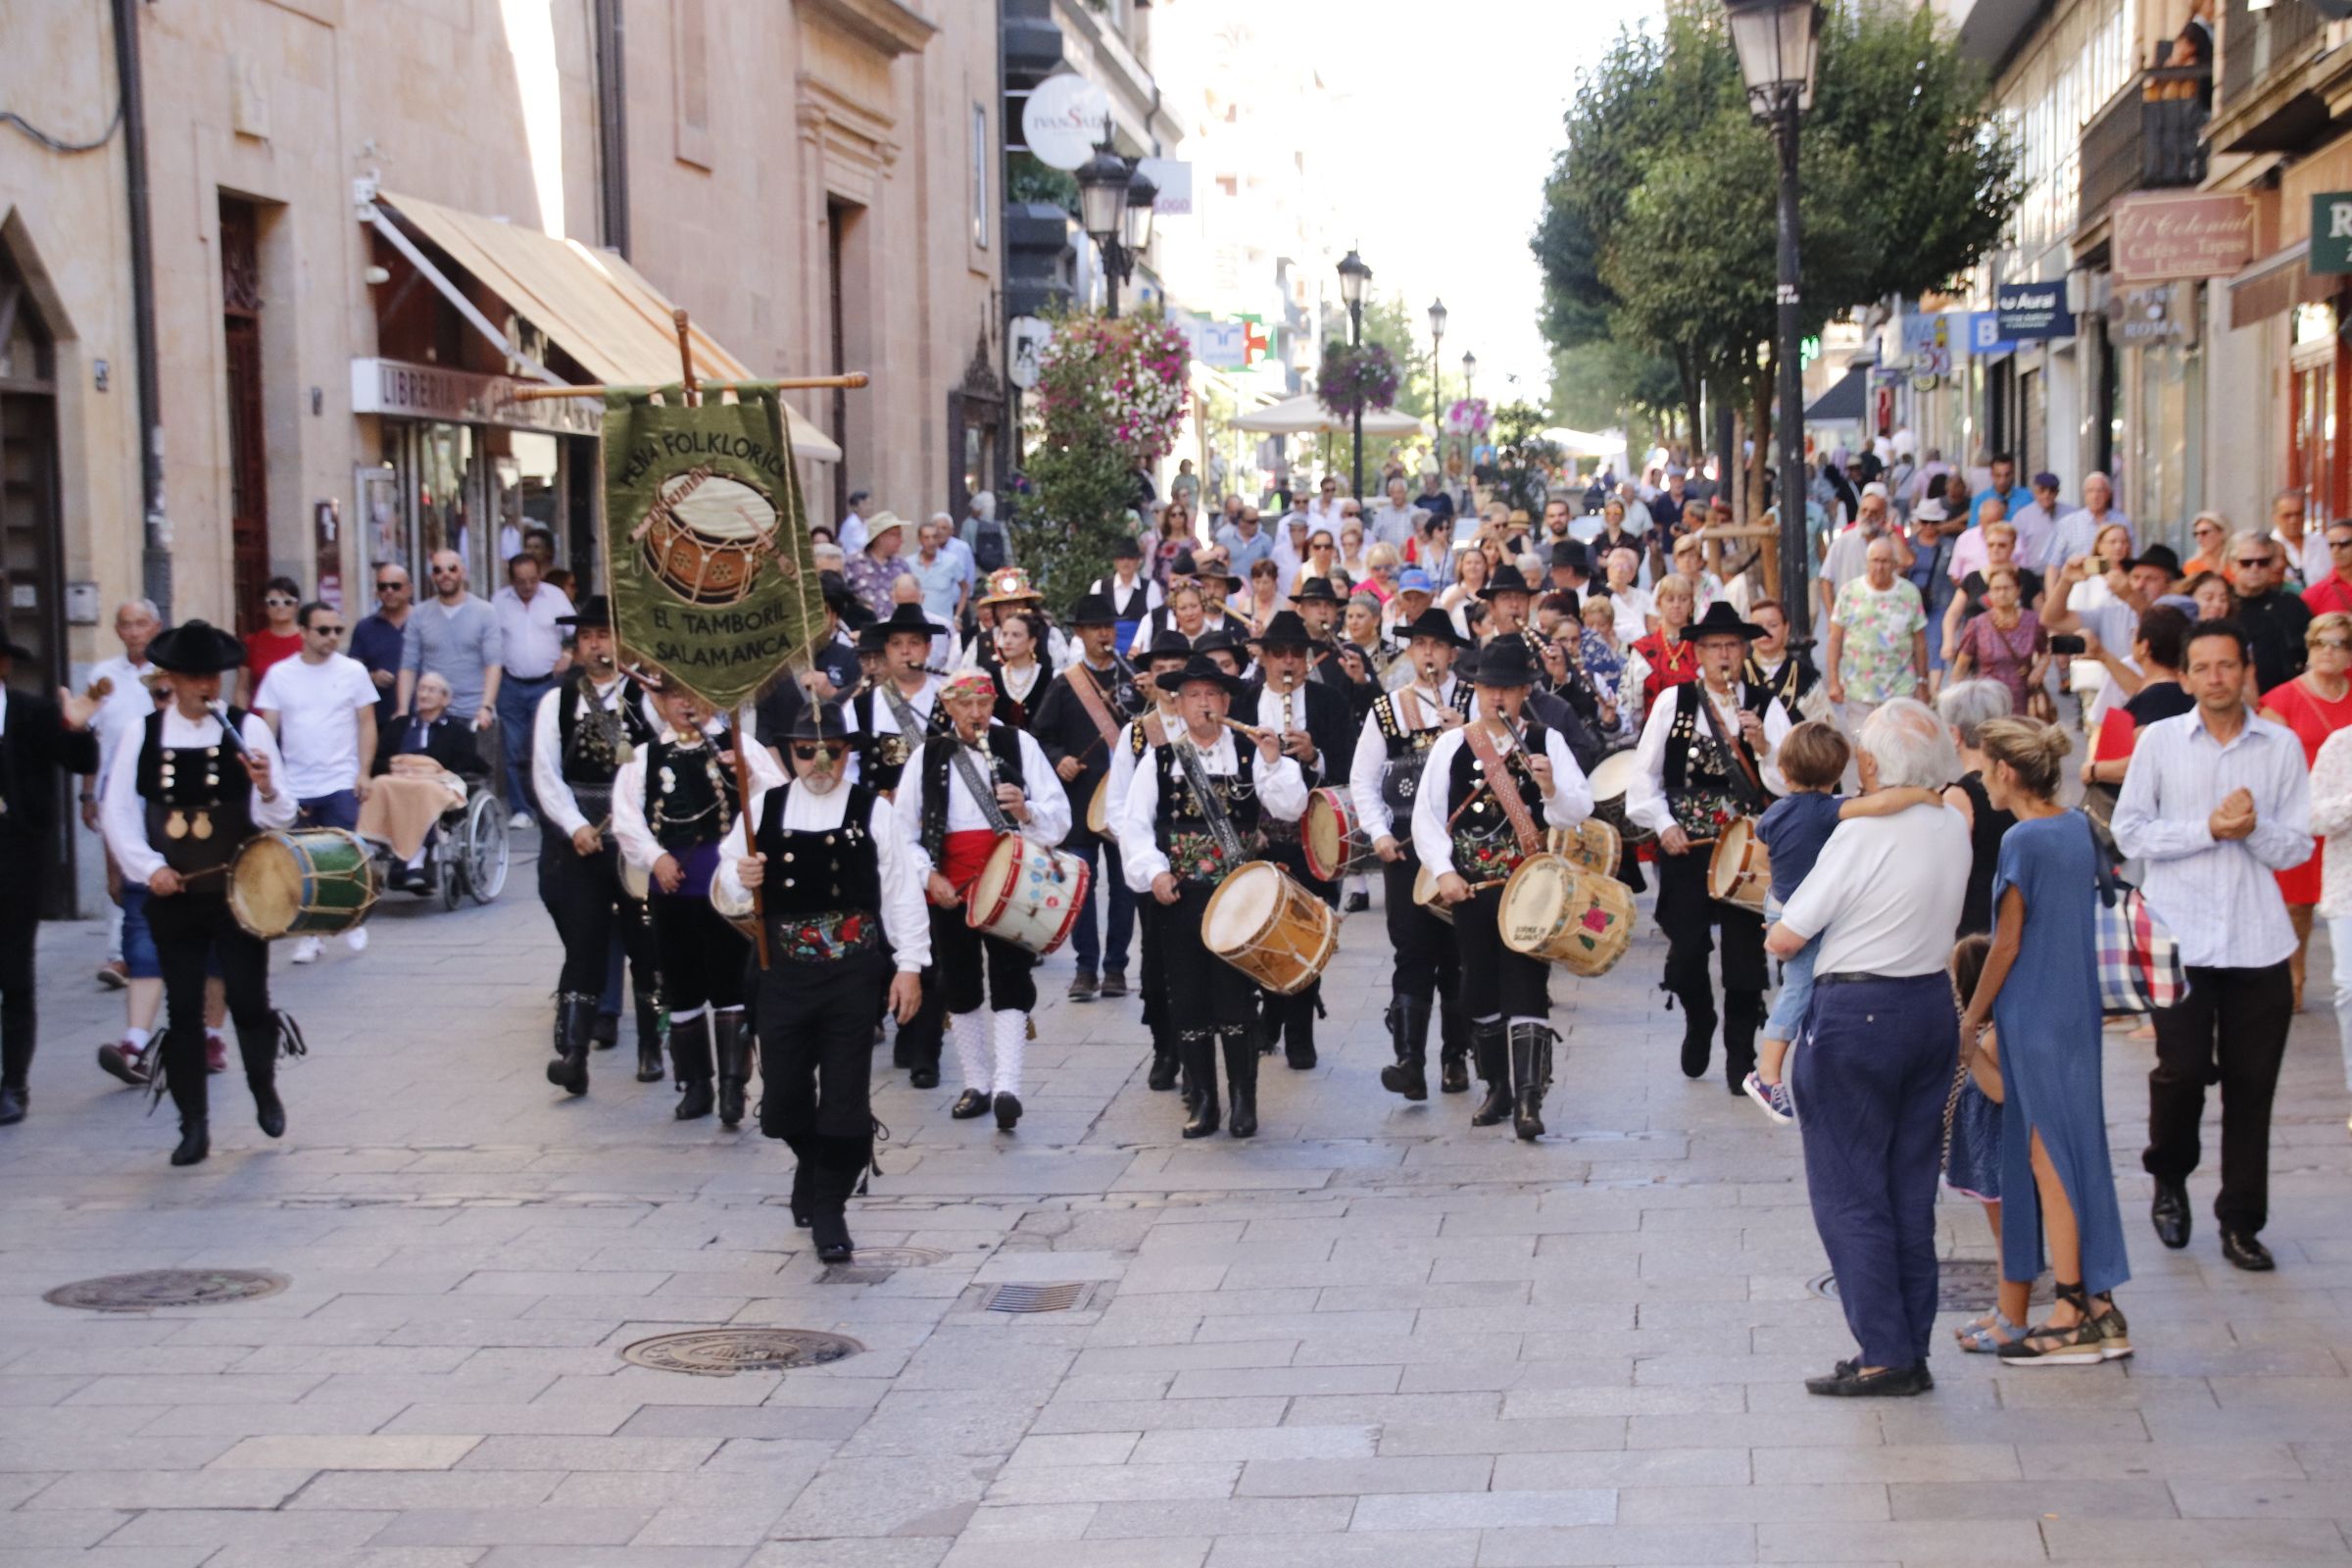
722	1352
166	1287
1036	1297
1962	1285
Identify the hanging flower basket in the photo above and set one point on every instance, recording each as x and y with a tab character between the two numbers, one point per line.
1357	379
1469	417
1124	378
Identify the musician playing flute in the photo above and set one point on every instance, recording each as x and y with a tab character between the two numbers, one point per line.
960	793
1705	760
1191	814
1078	723
1170	652
1311	722
582	733
673	802
843	904
1390	759
1488	790
176	809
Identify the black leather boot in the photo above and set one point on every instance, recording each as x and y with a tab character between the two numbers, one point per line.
1453	1050
574	1013
1162	1076
829	1189
800	1187
604	1033
690	1055
1240	1081
1530	1046
195	1141
1409	1037
1698	1029
1200	1066
649	1038
259	1050
1494	1070
734	1044
1299	1030
1742	1016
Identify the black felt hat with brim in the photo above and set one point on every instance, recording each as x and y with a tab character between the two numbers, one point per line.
1202	667
1504	661
1721	620
195	648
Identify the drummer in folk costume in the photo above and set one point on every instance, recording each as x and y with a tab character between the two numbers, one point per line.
1078	723
1488	790
842	899
1164	717
1318	607
962	792
1311	722
583	731
1193	813
1704	760
1384	782
672	803
894	713
175	809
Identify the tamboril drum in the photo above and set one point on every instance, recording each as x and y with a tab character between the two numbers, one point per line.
1739	871
1553	910
1027	894
1592	845
1263	924
741	912
1611	778
305	882
1333	839
1425	894
1098	812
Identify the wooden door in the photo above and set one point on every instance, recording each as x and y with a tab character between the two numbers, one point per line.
248	460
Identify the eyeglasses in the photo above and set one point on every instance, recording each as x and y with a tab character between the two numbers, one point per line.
389	587
327	631
2339	644
280	602
2339	544
810	751
2250	563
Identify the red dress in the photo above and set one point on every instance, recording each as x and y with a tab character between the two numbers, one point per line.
264	648
1671	664
2313	719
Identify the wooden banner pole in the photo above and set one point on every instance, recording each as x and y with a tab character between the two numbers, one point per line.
791	384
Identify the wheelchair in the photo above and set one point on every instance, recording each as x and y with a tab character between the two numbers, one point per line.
469	853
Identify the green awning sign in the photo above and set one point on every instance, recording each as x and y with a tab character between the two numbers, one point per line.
2331	233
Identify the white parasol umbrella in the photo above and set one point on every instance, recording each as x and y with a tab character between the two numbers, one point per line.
1305	414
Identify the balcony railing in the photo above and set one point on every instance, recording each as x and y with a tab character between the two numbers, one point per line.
2258	40
2150	137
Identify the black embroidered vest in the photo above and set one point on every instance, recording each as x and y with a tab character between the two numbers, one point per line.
1704	785
199	799
886	753
838	871
1182	827
689	793
1407	750
592	753
1485	848
1005	758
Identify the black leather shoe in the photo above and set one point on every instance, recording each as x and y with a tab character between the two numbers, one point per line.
649	1063
1162	1076
971	1102
1009	1111
1453	1075
11	1105
2169	1212
800	1194
268	1112
604	1033
1357	903
195	1141
2243	1250
1849	1382
923	1077
831	1234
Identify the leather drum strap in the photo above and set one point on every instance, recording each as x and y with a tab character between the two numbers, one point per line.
1523	821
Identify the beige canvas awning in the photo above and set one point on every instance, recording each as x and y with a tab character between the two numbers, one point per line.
598	307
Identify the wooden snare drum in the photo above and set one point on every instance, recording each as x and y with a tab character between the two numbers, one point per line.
1610	781
1333	838
1739	871
1425	894
1592	845
303	882
737	912
1263	924
1027	894
1555	911
1098	812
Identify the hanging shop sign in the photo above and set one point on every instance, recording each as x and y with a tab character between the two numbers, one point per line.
461	397
2153	315
1062	119
2331	234
2033	311
2158	237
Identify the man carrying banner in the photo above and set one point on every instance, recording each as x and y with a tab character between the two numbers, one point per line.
960	793
1078	724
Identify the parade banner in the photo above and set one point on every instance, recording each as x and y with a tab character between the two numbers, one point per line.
706	543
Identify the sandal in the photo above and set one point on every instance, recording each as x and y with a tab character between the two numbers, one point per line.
2079	1343
1988	1334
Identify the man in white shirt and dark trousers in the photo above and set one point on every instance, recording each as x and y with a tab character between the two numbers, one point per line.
530	633
2216	802
175	809
1873	1072
322	707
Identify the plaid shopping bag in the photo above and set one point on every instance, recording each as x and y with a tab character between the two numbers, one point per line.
2139	963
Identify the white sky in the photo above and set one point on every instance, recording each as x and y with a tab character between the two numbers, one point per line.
1450	185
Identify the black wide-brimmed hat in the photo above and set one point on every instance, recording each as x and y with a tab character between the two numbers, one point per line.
592	614
1285	629
1504	661
1436	623
1221	638
1721	620
195	648
9	650
909	618
1127	550
1095	610
1507	579
1168	643
1202	667
818	721
1316	590
874	637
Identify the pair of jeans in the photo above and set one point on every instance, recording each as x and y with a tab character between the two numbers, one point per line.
2339	942
517	712
341	808
2230	1031
1086	937
1796	996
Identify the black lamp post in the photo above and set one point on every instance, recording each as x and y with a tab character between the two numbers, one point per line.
1778	43
1437	395
1354	276
1114	207
1469	375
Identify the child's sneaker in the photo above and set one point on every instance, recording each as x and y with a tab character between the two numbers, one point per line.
1775	1099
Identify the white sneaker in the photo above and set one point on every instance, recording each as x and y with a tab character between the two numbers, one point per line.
520	819
356	938
307	951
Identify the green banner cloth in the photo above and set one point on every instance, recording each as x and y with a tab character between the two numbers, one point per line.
706	542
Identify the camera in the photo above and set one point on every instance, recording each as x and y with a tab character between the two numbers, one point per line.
2064	644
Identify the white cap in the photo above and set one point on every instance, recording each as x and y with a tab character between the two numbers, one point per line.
1873	488
1930	510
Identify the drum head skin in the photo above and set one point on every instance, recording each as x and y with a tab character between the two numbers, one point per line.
1613	774
1325	831
265	886
1240	910
1531	902
988	887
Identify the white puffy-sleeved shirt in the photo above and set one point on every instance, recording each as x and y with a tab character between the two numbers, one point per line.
1049	804
123	815
1371	762
905	920
554	791
1646	793
629	827
1570	801
1122	761
1281	794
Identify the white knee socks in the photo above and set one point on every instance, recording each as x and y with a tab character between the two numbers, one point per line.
1011	1040
970	1032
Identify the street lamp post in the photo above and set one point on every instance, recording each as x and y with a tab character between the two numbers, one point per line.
1437	394
1778	43
1469	376
1354	276
1114	207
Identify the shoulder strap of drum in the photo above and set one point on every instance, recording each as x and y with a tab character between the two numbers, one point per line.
1213	807
1497	783
983	790
1087	688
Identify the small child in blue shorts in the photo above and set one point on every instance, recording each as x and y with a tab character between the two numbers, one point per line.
1792	831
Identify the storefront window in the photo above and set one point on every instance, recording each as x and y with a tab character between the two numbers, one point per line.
2167	455
525	492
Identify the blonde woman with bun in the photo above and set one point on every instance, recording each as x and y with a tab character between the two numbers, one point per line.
2040	988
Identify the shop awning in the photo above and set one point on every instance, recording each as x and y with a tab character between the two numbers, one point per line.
1305	415
599	308
2275	284
1843	402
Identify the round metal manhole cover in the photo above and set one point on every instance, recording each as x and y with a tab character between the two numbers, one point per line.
166	1287
898	1256
1962	1285
724	1352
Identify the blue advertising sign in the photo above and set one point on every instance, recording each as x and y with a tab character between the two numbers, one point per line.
2033	311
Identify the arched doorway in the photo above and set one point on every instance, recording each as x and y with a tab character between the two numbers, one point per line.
32	523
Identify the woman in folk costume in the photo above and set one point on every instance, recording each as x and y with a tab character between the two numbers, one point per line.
960	793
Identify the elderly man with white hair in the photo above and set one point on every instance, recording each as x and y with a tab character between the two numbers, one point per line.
1880	1042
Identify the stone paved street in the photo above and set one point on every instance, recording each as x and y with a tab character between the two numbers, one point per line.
1369	1337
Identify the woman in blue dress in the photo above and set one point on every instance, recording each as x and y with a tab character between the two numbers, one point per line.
2040	991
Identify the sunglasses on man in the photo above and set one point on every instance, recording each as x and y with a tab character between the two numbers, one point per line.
810	751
